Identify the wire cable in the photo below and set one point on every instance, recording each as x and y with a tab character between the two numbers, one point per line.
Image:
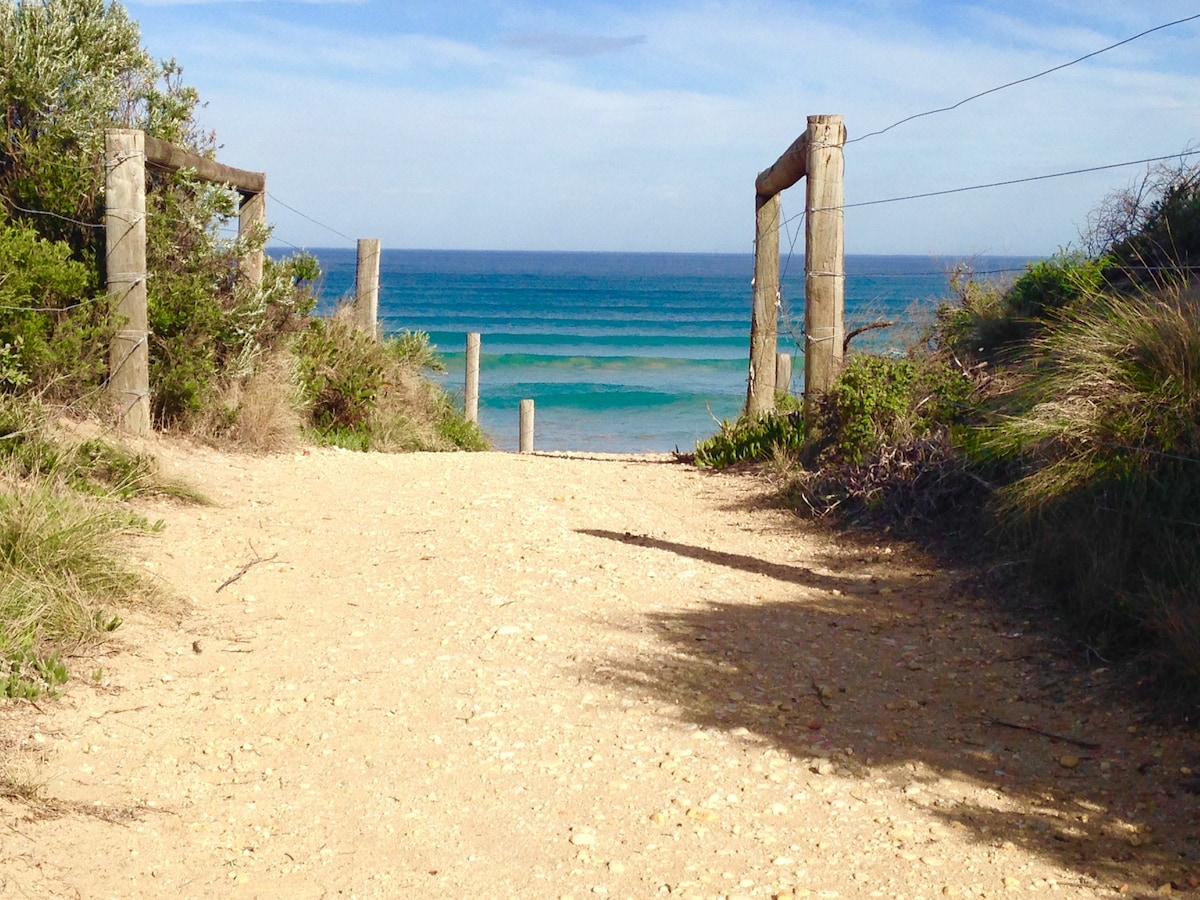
1026	79
310	218
1032	178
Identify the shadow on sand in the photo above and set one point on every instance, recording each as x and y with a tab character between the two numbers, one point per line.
901	674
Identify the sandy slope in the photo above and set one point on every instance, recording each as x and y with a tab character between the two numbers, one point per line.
493	675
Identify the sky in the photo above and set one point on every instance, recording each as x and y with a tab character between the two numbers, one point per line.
640	125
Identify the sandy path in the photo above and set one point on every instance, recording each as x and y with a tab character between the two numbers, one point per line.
492	675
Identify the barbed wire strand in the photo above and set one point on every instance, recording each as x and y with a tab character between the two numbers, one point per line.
1026	79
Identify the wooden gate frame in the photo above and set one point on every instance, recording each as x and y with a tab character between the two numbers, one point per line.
126	153
817	156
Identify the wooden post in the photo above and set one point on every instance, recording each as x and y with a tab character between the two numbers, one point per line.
783	373
125	263
366	287
252	214
764	318
526	445
824	257
471	384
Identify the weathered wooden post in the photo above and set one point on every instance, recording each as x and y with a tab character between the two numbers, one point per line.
252	215
764	318
764	322
526	445
471	384
366	286
125	263
783	373
824	257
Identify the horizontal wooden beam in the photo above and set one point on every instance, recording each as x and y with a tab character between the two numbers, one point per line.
788	169
168	156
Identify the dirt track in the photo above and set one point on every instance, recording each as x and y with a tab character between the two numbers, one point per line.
493	675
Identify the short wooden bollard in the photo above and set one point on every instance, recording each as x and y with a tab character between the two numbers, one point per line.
526	426
783	373
471	386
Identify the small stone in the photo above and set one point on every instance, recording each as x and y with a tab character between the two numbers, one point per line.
702	815
616	868
584	839
1011	884
658	818
783	861
1068	762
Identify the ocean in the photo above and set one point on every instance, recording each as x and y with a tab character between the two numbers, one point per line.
621	352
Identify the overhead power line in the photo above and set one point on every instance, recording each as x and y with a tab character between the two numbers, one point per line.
1027	78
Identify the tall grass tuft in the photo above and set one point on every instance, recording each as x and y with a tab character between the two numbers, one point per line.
62	573
1105	432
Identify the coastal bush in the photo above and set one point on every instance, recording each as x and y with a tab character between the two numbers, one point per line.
1106	433
365	393
1150	231
993	322
55	326
1058	421
753	439
209	325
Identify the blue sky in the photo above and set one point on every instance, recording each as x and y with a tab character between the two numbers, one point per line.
641	125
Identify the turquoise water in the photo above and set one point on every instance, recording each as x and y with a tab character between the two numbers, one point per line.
621	352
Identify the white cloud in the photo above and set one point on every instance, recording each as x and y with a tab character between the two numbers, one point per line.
579	132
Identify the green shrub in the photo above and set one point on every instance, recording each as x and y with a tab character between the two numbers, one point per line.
753	440
209	326
991	321
369	394
878	402
54	328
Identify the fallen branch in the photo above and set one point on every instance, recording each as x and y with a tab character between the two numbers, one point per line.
257	561
1000	723
857	331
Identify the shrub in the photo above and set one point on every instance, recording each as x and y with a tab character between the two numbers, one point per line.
368	394
54	328
209	326
753	440
73	68
993	322
879	402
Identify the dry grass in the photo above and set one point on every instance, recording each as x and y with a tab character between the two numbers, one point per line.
262	413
